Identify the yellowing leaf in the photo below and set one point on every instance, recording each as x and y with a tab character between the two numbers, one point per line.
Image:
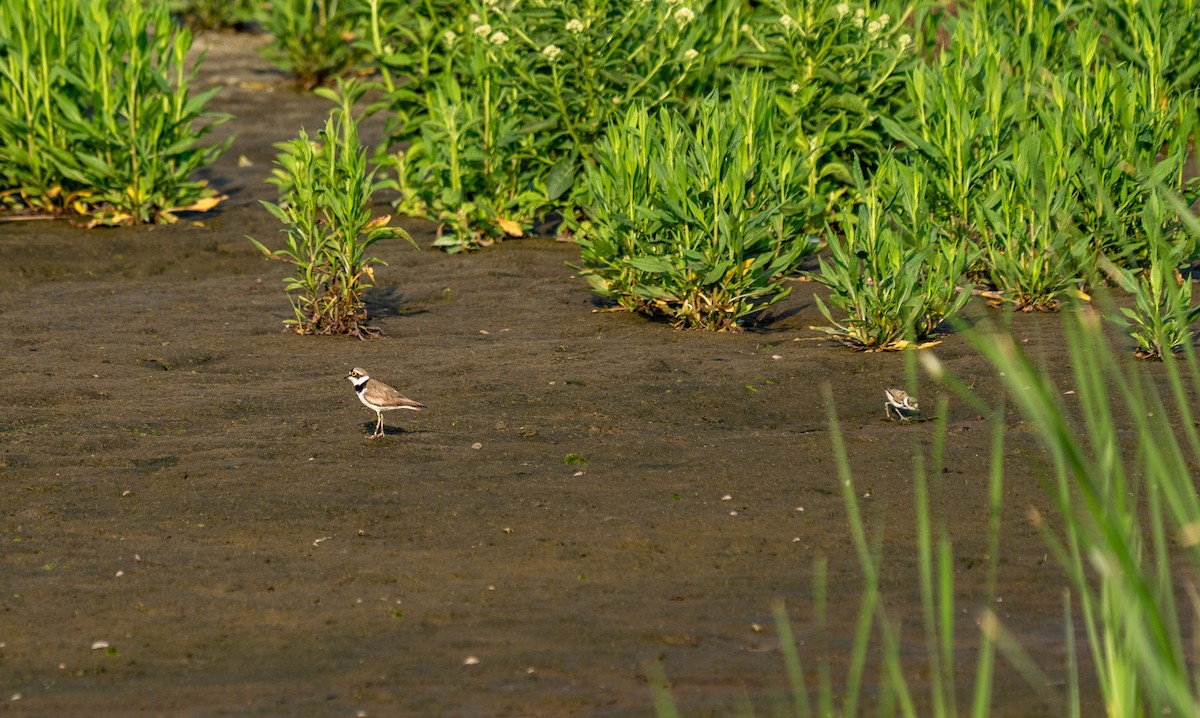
370	272
203	204
379	221
510	227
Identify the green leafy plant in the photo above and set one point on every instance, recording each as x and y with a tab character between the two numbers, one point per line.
213	14
97	115
507	100
1162	314
837	68
326	194
1033	254
313	40
688	218
893	272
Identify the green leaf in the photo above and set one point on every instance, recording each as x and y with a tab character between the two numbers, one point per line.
561	177
654	265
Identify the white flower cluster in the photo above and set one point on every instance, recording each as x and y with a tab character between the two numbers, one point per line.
904	40
691	54
842	9
787	22
881	23
449	37
483	30
551	52
498	38
684	15
574	25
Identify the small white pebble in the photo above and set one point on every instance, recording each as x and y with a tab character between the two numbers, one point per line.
1068	393
507	530
756	627
477	445
579	473
796	540
120	574
137	558
95	376
360	714
471	660
733	513
15	697
97	645
529	670
359	601
776	357
726	497
62	666
800	508
484	332
126	492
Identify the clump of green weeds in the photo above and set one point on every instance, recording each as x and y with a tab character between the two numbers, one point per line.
689	218
507	100
837	67
313	40
213	14
326	195
893	272
1033	254
96	112
1162	313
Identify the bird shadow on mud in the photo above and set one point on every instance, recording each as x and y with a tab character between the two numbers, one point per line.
369	428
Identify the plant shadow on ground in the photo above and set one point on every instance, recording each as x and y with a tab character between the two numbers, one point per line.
709	490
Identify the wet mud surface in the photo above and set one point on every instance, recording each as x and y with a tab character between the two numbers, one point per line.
195	488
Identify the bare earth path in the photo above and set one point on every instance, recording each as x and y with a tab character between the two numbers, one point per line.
195	488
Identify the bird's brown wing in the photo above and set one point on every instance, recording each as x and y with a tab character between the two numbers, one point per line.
385	395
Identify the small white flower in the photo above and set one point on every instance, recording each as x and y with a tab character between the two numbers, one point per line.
551	52
745	28
795	87
684	15
473	18
498	38
842	9
859	16
449	37
905	40
574	25
691	54
884	19
786	21
873	27
491	3
483	30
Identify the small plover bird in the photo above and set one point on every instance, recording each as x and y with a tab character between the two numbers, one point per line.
379	397
901	403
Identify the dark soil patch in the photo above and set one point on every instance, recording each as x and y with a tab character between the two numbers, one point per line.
196	488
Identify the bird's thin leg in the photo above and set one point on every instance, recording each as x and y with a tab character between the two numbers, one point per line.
378	425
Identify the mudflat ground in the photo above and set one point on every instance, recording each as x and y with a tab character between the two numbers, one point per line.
195	488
